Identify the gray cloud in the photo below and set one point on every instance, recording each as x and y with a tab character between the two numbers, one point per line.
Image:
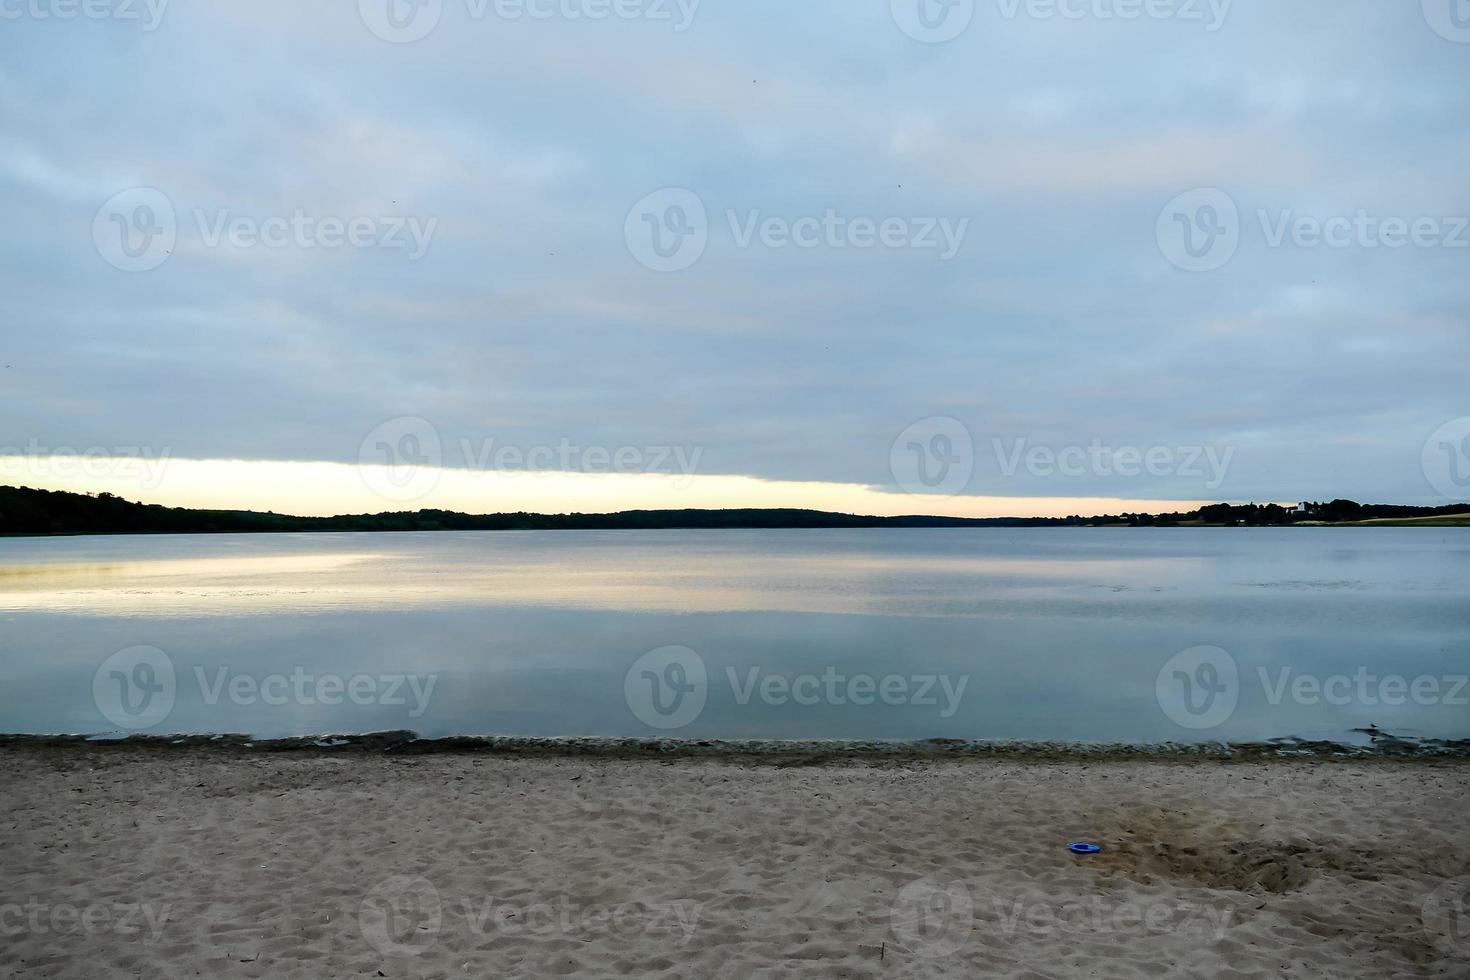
1059	322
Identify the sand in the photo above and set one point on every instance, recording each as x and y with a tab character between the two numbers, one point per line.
227	863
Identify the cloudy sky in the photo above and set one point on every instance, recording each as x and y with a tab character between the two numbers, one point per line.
995	256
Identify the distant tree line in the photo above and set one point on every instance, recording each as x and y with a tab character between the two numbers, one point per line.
27	511
1271	515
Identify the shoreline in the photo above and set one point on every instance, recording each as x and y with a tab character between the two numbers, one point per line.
1436	523
1382	746
31	511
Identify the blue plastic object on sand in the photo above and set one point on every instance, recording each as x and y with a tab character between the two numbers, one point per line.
1079	848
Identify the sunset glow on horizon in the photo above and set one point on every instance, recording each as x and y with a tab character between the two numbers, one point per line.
316	489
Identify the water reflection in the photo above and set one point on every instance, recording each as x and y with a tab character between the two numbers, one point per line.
1058	634
545	570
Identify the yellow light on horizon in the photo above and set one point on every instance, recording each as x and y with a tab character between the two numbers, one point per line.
320	489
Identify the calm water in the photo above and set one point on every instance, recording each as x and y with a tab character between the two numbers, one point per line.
1075	634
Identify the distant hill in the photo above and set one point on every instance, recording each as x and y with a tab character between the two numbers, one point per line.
27	511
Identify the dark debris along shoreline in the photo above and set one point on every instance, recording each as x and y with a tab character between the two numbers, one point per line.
1381	745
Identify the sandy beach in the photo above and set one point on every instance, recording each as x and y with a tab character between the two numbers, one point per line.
227	863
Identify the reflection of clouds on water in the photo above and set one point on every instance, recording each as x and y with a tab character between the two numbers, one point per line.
147	569
564	572
1061	634
173	586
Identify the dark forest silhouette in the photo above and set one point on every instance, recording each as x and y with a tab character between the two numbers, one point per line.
27	511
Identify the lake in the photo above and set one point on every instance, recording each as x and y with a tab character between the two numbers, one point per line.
1087	635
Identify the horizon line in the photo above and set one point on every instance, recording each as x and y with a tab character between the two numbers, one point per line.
1290	507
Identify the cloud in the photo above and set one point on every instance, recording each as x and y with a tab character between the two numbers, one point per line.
528	319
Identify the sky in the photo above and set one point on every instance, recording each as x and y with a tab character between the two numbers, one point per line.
972	257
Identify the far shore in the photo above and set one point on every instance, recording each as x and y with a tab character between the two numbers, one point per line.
32	512
1453	520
